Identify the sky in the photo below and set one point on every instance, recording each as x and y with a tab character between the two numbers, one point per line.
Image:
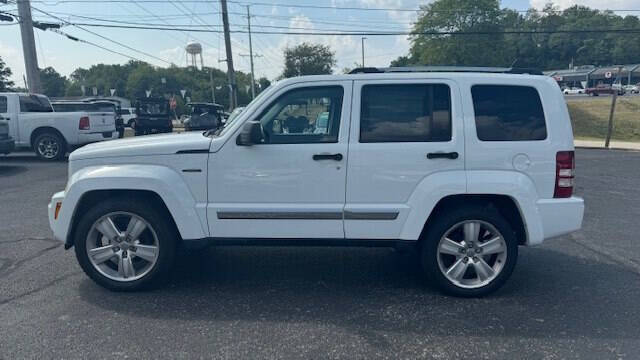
161	48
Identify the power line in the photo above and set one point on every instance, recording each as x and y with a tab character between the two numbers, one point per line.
329	7
375	33
102	37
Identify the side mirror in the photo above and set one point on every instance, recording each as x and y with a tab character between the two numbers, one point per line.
251	134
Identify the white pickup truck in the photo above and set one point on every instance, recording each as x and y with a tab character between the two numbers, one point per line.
34	124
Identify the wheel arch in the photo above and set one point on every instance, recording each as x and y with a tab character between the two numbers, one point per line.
90	198
46	129
159	184
504	204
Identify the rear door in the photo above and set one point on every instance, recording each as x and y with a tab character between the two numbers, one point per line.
402	131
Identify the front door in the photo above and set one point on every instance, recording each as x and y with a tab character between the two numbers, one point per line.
293	184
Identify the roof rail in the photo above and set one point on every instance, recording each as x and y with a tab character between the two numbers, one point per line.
474	69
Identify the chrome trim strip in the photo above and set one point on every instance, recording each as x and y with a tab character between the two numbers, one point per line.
279	215
355	215
314	215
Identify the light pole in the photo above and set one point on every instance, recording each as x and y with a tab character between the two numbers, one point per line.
362	39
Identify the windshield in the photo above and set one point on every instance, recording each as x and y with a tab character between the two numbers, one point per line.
153	108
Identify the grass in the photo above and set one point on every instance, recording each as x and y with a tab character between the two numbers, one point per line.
590	118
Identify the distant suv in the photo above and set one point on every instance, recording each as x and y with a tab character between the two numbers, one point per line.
464	165
152	116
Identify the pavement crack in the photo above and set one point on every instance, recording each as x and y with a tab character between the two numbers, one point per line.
9	266
39	288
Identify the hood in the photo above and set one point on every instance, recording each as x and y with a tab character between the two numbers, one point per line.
163	144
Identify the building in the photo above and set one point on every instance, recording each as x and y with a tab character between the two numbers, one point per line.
589	75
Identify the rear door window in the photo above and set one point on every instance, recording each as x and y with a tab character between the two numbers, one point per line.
508	113
405	113
3	104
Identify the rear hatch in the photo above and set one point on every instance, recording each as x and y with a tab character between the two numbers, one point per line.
102	121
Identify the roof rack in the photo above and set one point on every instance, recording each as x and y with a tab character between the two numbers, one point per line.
470	69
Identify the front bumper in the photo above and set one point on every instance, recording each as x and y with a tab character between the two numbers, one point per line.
560	216
58	225
7	145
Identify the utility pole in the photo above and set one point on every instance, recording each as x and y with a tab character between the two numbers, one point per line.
253	80
612	110
363	39
29	46
233	98
213	92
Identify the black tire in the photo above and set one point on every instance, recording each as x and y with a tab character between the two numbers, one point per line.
53	139
448	219
165	232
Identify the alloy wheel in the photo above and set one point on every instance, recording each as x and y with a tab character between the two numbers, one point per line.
471	254
48	147
122	246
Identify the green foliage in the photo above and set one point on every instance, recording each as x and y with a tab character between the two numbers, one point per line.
545	51
5	75
132	79
308	59
53	84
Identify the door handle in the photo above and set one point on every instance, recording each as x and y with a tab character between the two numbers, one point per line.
443	155
336	157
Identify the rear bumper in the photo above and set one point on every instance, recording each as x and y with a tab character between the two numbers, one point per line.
86	138
560	216
7	145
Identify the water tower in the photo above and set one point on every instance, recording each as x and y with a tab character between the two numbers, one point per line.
193	50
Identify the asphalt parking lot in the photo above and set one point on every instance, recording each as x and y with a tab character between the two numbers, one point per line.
574	297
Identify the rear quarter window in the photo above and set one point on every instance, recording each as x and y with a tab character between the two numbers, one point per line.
508	113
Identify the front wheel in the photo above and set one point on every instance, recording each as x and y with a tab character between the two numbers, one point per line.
469	251
125	245
49	146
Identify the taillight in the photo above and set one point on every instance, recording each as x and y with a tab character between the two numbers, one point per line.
84	123
565	168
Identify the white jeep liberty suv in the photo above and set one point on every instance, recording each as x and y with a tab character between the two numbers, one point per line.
465	164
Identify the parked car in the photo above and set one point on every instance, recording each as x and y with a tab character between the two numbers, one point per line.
573	91
6	142
203	116
33	123
632	89
603	89
128	115
397	164
152	116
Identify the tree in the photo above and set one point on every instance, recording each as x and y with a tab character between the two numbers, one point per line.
308	59
494	45
53	84
5	77
468	50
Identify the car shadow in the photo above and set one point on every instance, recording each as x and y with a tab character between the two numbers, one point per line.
550	295
10	170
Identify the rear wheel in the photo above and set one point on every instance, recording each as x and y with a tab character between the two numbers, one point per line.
49	146
469	251
124	245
